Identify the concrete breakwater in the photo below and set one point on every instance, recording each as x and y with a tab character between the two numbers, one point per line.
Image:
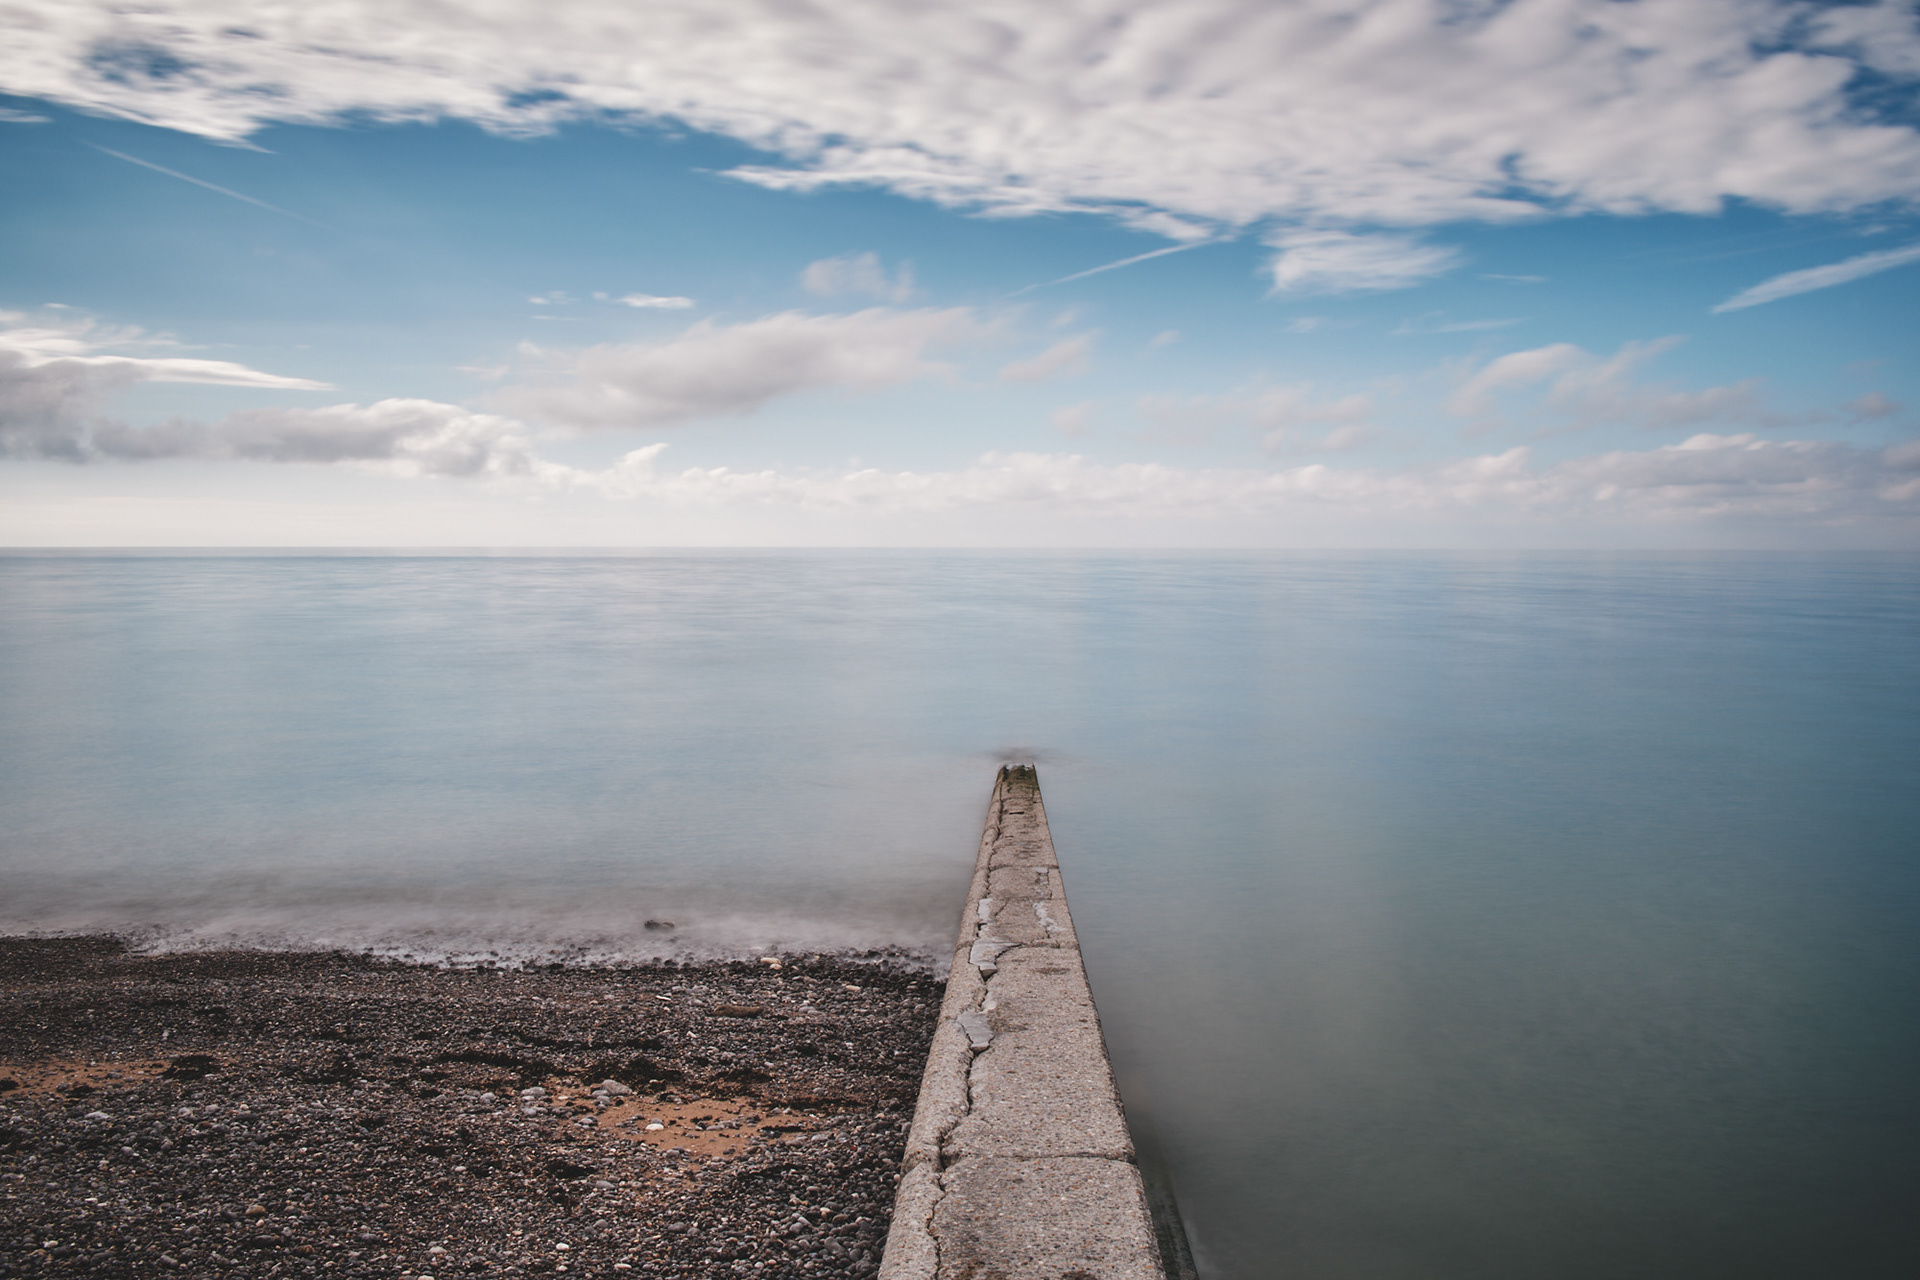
1018	1164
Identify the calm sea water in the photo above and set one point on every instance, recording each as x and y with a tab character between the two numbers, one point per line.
1450	916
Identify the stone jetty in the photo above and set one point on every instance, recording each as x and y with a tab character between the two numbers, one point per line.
1018	1165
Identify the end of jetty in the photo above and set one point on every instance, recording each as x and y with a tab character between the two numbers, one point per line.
1019	1163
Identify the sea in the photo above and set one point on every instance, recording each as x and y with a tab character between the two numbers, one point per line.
1451	916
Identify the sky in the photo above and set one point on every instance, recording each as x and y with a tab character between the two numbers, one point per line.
1187	273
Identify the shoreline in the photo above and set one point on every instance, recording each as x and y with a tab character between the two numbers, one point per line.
262	1113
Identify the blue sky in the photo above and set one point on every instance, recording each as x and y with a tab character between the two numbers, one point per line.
1635	273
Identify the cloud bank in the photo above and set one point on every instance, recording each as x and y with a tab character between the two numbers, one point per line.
56	382
1581	390
1707	477
1290	419
715	370
49	411
1181	118
78	341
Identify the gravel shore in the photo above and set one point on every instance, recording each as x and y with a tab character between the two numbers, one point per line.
287	1114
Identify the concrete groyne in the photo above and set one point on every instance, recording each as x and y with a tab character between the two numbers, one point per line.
1019	1165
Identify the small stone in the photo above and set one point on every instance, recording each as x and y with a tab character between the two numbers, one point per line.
98	1115
654	1126
615	1088
256	1211
563	1246
979	1034
437	1249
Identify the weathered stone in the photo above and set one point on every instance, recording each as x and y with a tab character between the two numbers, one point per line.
1045	1218
1018	1163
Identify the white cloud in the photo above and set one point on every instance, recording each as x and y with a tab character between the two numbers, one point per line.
714	370
1474	398
1290	418
402	437
1193	241
46	408
1183	118
1063	359
1313	324
51	411
1806	281
1072	419
1320	261
1293	420
653	301
1886	36
1434	322
1707	477
1583	390
80	340
857	273
1873	405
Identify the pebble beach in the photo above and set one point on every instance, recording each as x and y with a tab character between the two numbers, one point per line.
280	1114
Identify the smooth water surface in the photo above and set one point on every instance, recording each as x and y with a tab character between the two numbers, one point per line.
1450	916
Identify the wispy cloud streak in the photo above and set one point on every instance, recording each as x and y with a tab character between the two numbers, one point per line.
1806	281
1113	266
211	186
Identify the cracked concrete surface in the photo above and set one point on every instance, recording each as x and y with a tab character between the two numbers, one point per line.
1018	1165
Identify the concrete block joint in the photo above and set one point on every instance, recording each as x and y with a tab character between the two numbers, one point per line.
1018	1163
